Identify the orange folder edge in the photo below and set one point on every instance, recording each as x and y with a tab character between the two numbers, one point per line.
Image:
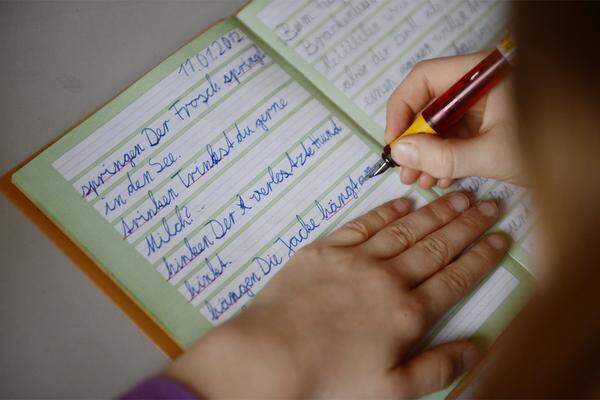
88	266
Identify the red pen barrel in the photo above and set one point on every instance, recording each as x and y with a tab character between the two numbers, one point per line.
448	108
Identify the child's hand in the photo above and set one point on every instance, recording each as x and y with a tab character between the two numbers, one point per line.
483	143
341	318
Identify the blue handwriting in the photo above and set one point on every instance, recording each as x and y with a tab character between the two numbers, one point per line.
134	185
244	66
207	278
332	206
302	234
155	135
220	228
203	97
214	157
125	159
141	217
231	298
267	264
163	164
326	136
112	205
168	232
192	251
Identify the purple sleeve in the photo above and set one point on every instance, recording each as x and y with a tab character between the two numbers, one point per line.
159	387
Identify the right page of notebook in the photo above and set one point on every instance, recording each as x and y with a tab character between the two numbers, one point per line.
358	51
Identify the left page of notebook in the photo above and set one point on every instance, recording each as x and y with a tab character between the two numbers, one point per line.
194	186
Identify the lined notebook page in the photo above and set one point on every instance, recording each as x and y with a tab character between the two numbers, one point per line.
215	176
231	172
366	47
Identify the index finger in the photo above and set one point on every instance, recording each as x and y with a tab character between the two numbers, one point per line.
427	80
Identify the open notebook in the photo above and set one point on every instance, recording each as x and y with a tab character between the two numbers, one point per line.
194	186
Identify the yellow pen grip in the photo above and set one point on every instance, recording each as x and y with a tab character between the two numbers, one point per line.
419	125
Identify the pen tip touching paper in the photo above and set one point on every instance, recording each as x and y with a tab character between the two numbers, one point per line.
378	168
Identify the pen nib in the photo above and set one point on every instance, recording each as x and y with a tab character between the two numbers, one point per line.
378	168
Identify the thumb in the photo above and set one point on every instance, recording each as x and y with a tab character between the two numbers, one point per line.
444	158
438	367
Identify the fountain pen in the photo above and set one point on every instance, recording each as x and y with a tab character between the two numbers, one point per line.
449	108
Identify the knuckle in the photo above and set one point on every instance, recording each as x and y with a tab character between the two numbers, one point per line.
377	217
402	233
397	97
447	161
483	254
421	67
436	210
457	280
358	227
447	369
391	101
472	222
437	248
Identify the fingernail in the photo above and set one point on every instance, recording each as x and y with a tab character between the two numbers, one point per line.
405	154
459	202
400	204
497	241
488	208
470	357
